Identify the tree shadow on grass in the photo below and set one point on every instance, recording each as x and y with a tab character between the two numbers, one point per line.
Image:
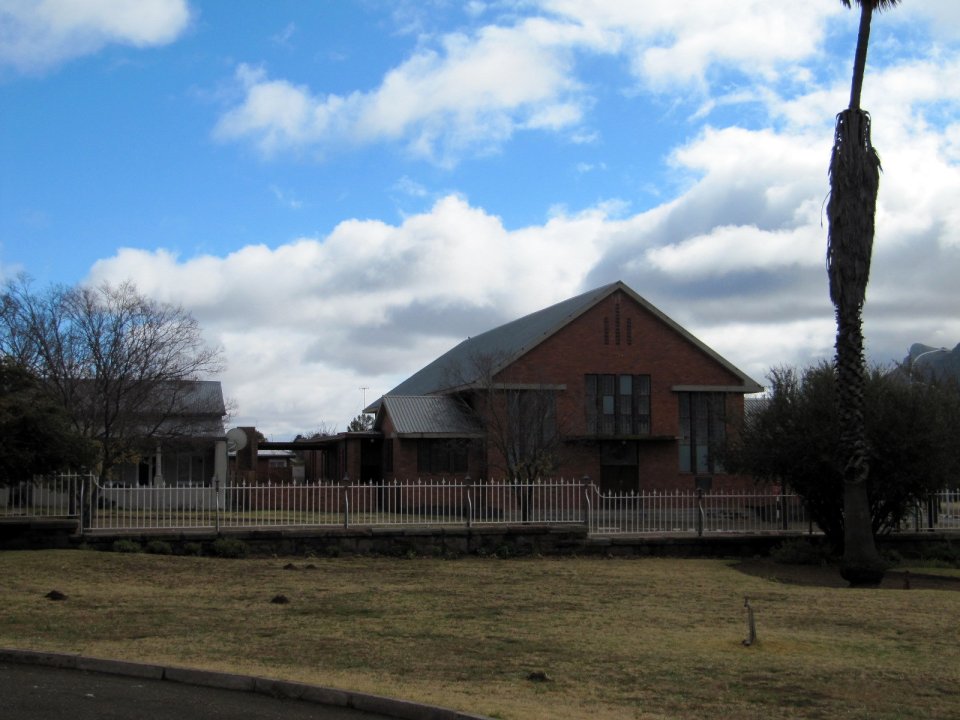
828	575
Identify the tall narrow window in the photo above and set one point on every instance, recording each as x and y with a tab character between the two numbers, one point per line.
625	405
641	408
606	331
607	404
702	426
629	331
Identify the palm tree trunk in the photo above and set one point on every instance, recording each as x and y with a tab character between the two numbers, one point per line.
854	181
862	565
860	59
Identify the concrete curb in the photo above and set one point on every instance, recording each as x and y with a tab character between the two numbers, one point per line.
400	709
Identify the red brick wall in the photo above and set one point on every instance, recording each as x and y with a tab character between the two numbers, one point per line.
405	458
653	348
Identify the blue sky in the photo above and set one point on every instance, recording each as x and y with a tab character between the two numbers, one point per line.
341	191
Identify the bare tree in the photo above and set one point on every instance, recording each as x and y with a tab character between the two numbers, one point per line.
522	428
120	364
324	429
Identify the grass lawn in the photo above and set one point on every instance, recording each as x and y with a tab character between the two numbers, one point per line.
617	638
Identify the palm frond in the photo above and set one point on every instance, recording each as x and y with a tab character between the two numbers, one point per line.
878	5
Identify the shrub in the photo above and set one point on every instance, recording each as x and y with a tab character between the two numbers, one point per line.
126	546
159	547
192	548
228	547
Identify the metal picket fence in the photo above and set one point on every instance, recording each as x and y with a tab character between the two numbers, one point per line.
695	512
940	511
437	503
420	503
150	508
382	504
43	496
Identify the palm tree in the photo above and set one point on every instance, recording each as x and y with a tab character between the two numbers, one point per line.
854	180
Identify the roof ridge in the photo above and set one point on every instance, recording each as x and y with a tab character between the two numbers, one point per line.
506	342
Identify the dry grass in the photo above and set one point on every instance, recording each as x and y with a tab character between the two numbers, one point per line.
617	638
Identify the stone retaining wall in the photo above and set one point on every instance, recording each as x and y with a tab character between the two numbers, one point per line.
491	540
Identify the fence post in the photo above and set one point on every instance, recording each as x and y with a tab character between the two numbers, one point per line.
216	504
83	486
587	508
88	503
699	512
346	508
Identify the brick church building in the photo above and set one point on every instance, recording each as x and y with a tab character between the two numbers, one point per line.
603	385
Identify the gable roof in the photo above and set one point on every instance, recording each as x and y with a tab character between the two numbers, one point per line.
508	342
428	415
199	411
202	397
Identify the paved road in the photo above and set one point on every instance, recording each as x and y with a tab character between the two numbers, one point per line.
31	692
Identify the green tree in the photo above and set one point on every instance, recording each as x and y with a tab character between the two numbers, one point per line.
38	436
912	430
361	423
854	181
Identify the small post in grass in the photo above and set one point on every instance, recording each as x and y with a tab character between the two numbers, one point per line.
751	624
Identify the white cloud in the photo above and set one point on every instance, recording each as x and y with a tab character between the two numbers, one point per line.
307	322
678	42
411	188
439	103
943	16
449	98
39	34
727	249
737	256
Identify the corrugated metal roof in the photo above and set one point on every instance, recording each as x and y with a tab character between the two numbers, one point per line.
203	397
430	415
508	342
198	410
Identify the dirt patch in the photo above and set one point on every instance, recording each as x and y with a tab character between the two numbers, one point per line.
829	576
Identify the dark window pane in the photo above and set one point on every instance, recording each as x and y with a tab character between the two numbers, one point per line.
702	425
